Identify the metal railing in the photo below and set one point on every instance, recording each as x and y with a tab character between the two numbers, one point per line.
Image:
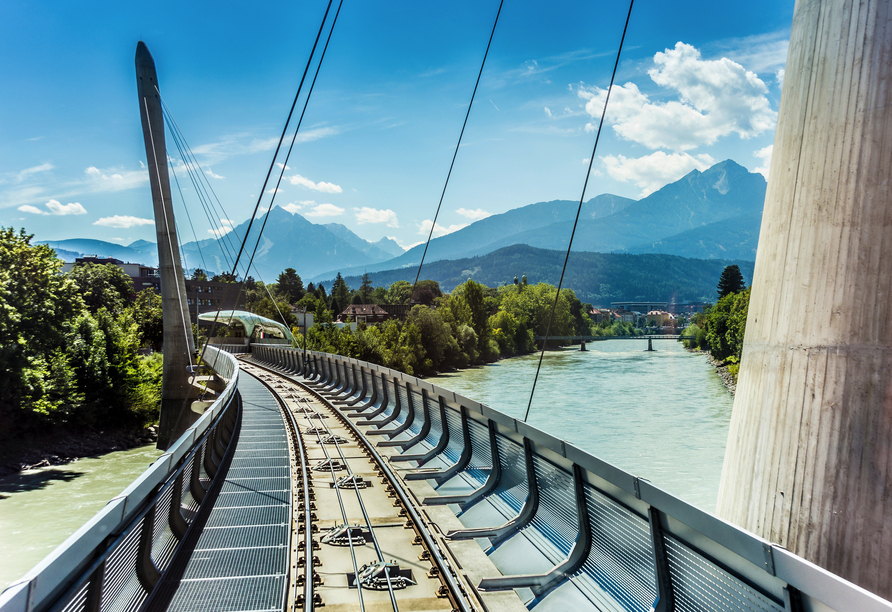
563	526
116	559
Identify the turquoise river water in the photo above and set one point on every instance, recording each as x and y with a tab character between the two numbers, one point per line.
662	415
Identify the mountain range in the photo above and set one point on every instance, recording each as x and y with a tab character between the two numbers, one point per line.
710	214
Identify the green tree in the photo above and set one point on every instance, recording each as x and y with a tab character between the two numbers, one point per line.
199	275
366	289
37	306
435	334
399	292
727	325
148	315
290	286
103	286
731	281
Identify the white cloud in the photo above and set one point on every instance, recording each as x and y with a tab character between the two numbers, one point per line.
655	170
292	207
211	174
123	221
322	186
779	76
233	145
23	174
33	210
373	215
220	231
474	215
114	179
440	230
765	156
715	98
283	166
227	222
405	246
65	209
56	208
325	210
548	111
274	190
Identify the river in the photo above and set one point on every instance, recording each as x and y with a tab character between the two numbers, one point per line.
40	508
662	415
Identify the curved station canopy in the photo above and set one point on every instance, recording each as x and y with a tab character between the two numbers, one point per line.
249	321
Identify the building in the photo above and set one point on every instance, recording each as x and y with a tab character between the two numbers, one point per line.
661	318
626	316
639	306
364	313
201	296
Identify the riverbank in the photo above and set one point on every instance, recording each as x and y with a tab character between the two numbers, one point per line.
61	447
728	379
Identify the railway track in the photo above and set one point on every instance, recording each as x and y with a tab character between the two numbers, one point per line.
353	517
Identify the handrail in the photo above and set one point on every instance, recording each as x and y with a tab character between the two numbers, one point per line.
691	552
72	576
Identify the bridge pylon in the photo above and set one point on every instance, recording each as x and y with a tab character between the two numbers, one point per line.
809	457
178	347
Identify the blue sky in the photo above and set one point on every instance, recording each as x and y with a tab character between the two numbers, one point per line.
699	83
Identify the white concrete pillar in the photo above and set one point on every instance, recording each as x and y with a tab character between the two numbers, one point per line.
809	456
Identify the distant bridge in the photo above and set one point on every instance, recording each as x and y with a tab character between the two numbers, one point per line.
574	339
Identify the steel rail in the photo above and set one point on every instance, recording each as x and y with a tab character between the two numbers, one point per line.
459	594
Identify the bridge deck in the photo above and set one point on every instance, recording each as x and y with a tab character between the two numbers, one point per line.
239	557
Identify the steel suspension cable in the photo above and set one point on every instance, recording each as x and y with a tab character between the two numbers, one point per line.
189	162
579	209
282	137
296	130
457	145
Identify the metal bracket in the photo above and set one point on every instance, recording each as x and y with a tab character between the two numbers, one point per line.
178	524
441	476
372	400
146	570
397	409
410	417
665	601
425	426
492	481
385	401
423	458
497	535
543	583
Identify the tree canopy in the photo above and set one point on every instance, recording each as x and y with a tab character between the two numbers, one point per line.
68	343
731	281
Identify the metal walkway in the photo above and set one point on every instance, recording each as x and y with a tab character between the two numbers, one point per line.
239	558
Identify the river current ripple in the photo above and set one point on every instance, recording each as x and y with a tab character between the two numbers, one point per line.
662	416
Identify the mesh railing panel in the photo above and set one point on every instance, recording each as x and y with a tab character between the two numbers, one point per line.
621	560
456	436
119	568
698	585
513	486
79	601
481	455
433	436
556	525
418	406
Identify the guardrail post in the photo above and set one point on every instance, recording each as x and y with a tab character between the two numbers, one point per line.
146	570
93	600
178	524
209	466
665	601
423	458
195	486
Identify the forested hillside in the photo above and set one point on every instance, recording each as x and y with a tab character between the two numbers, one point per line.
598	278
